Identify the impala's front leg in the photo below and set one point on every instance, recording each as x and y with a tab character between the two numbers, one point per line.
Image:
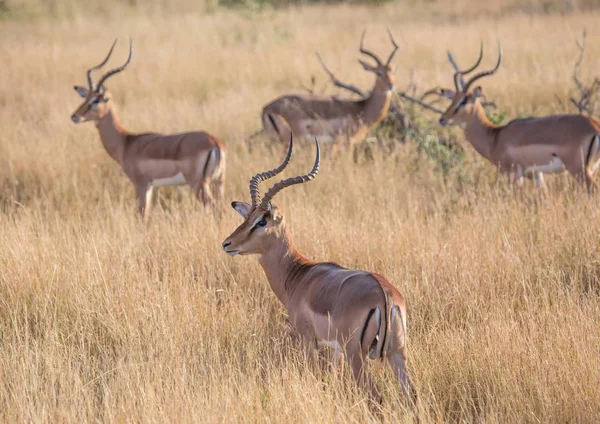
144	194
538	181
514	176
310	348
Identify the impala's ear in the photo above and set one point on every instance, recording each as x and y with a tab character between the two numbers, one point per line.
366	66
105	95
242	208
447	93
477	91
83	92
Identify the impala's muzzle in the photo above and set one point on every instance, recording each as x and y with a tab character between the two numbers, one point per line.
228	250
443	121
75	119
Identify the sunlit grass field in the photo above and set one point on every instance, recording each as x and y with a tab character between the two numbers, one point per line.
103	319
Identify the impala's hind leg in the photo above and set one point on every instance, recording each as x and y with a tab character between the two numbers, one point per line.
590	184
583	174
204	193
397	361
396	354
218	188
200	180
359	370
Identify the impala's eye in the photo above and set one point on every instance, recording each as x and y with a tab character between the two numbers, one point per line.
262	223
460	104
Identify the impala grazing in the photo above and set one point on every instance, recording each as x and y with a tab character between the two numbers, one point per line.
149	159
524	147
329	118
355	313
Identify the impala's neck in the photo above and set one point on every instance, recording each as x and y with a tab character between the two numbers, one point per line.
280	262
480	132
112	133
377	104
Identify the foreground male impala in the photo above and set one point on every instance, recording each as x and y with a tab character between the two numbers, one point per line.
525	147
149	159
354	312
329	118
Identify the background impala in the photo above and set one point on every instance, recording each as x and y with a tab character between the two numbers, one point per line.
524	147
330	118
149	159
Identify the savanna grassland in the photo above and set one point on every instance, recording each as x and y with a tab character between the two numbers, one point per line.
105	320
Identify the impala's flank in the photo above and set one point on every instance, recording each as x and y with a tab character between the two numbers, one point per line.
524	147
149	159
329	118
356	313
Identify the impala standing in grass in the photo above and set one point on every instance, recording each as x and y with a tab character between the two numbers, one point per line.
525	147
329	118
356	313
152	160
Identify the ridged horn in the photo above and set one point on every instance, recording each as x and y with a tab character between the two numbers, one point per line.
293	180
95	68
258	178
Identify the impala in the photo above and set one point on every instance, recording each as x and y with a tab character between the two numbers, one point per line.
329	118
152	160
524	147
356	313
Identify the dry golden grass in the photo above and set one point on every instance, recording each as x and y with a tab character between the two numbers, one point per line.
102	319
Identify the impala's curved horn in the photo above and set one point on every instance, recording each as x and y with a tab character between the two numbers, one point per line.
367	52
95	68
119	69
486	73
258	178
459	83
391	56
293	180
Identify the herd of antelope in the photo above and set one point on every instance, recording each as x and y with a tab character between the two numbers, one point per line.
356	314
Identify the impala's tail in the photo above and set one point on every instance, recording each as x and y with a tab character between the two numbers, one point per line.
214	170
275	126
592	160
215	164
377	329
371	336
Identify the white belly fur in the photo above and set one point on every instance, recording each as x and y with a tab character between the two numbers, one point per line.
175	180
555	166
323	139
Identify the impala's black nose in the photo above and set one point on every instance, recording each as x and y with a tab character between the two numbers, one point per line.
74	118
225	244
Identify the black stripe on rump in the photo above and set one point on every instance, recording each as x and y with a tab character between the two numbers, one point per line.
362	335
273	123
